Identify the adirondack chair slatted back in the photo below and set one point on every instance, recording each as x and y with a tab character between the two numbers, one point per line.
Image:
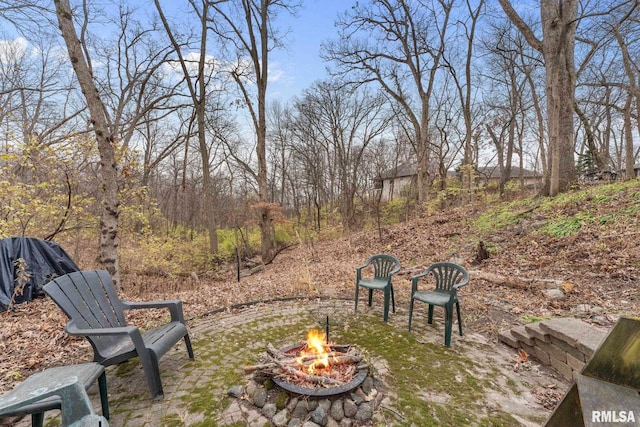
447	275
383	266
90	301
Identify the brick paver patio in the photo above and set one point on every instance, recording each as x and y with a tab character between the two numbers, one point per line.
196	391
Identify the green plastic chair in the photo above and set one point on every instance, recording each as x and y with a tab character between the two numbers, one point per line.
381	267
59	388
448	277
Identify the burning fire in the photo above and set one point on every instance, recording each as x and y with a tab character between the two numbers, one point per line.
314	356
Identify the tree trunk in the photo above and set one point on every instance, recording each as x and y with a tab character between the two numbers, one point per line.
628	140
557	47
631	92
423	183
558	29
261	65
104	139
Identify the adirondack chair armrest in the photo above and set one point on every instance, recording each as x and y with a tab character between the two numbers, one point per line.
174	306
122	330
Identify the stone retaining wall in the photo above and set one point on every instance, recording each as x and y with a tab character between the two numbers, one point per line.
565	344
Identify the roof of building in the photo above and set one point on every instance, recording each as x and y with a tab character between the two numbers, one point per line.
402	170
405	169
494	172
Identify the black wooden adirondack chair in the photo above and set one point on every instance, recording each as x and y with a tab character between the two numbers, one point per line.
90	301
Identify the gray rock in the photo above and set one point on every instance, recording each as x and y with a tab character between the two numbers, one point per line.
325	403
251	388
364	414
310	424
300	411
236	391
346	422
337	410
294	422
269	410
367	385
553	294
292	404
319	416
332	423
259	397
256	420
350	408
280	419
312	404
357	398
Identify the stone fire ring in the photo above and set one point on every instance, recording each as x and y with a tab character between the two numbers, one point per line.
357	379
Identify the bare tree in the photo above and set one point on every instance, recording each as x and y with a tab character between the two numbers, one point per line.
399	44
281	135
310	169
38	103
464	87
559	22
197	90
510	72
631	69
346	121
104	137
248	31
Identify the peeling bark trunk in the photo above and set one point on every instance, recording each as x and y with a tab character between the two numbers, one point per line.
104	138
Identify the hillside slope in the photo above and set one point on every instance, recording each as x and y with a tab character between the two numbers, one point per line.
584	245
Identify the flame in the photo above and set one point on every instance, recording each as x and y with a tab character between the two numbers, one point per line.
316	349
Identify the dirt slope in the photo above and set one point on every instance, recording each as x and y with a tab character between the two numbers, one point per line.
596	270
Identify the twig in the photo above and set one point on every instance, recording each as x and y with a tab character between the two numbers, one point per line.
316	379
393	411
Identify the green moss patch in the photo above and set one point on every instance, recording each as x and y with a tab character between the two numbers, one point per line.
429	384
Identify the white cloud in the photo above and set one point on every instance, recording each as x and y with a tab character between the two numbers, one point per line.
276	73
11	51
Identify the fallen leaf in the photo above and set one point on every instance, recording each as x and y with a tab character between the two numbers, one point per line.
522	356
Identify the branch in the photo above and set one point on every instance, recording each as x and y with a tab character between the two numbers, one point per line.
526	31
66	211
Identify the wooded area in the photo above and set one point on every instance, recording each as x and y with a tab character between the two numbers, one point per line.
133	117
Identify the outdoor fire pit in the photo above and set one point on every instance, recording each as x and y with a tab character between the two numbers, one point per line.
313	380
314	368
327	369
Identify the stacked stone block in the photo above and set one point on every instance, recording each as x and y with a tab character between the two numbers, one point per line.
566	344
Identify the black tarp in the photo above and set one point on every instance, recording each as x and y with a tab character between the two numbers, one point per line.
45	261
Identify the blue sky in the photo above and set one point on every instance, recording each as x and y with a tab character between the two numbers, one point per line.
299	65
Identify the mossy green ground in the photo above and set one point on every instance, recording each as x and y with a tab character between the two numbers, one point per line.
427	383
